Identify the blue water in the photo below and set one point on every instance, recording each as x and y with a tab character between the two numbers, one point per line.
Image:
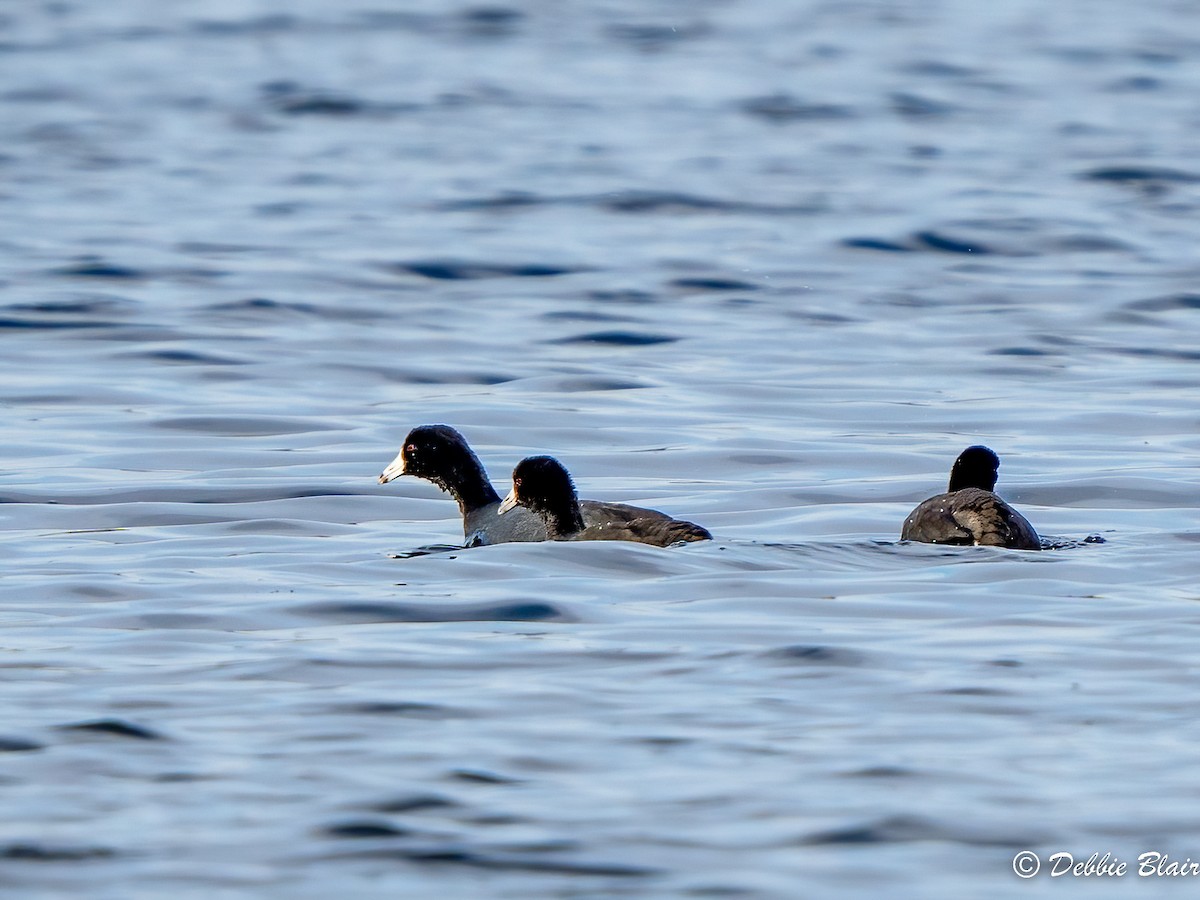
768	266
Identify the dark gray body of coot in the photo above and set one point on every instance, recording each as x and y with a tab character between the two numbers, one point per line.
970	512
542	485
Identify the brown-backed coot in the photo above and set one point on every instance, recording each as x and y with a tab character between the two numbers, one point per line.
969	512
542	485
440	454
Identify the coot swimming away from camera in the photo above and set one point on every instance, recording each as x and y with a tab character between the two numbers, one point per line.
969	512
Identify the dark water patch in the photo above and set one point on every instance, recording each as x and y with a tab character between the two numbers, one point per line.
357	613
292	99
114	728
216	248
713	283
364	828
413	803
401	709
895	829
461	270
276	23
871	243
915	106
19	745
629	201
762	459
31	852
938	69
281	209
1168	303
184	358
640	202
582	315
821	318
1157	353
1085	243
1136	84
94	267
393	20
1139	176
276	526
932	240
480	776
177	620
79	305
454	855
182	778
397	375
653	38
243	426
815	655
428	550
491	21
41	95
505	202
586	384
973	692
1021	351
265	305
782	108
664	741
8	322
481	95
622	296
617	338
901	829
189	494
881	772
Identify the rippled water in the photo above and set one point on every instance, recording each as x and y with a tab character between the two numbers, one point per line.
765	265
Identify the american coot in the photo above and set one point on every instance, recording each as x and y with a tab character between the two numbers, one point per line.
969	513
439	454
541	484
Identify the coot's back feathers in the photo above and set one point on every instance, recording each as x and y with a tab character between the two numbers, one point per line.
970	513
542	485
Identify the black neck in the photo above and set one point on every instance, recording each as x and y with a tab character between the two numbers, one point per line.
563	519
467	482
972	473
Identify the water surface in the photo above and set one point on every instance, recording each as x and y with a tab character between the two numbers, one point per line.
767	266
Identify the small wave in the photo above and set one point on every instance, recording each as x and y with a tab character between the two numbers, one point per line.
617	338
519	611
114	728
461	270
